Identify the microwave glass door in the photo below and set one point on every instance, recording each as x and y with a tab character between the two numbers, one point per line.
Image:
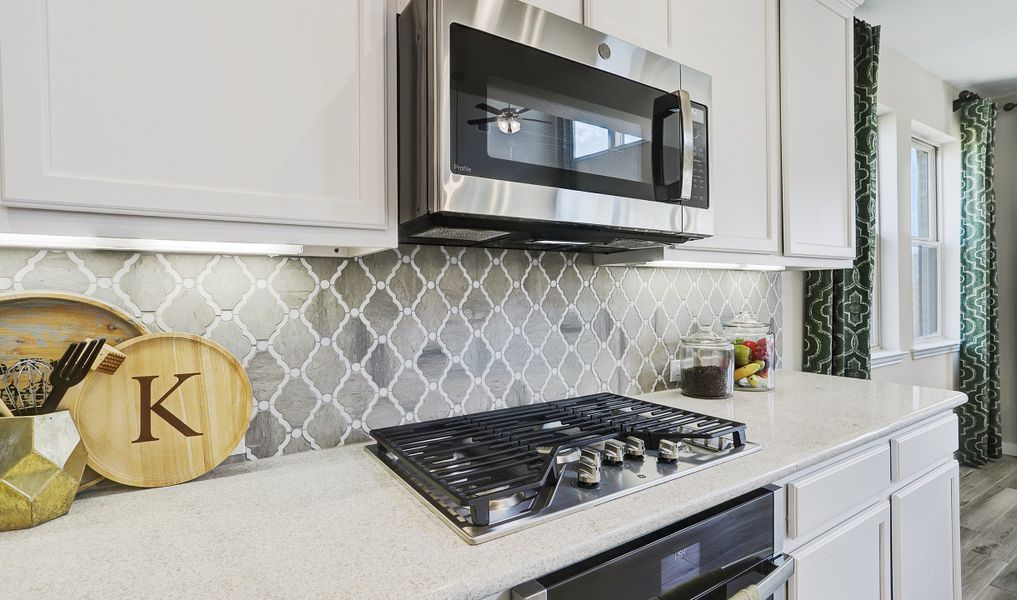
523	115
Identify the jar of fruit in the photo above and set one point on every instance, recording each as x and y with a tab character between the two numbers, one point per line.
754	352
706	361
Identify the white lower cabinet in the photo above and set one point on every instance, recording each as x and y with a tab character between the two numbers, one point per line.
925	532
882	522
849	562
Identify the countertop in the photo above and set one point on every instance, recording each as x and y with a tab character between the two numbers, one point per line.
335	524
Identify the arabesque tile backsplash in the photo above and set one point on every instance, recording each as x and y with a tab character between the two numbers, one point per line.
335	347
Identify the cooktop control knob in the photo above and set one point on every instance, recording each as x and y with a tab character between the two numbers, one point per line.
614	452
588	470
667	451
635	448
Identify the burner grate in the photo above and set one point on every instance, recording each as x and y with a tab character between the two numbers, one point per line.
477	459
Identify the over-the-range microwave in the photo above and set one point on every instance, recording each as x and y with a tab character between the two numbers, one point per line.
519	128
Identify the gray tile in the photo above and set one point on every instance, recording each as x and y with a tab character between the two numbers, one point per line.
260	313
226	283
56	271
296	401
432	361
382	365
265	435
188	312
530	326
382	312
328	426
354	340
353	284
326	370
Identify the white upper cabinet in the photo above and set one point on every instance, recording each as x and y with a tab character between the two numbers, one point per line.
254	111
817	86
735	41
644	23
570	9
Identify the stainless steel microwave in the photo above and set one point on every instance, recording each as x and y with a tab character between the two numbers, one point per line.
519	128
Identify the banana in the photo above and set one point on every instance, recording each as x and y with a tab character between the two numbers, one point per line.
749	369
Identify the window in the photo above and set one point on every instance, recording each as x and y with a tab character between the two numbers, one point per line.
926	246
875	327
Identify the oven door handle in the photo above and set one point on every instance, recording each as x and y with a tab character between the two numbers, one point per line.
772	583
664	107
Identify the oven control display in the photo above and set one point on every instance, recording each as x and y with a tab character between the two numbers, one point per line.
679	567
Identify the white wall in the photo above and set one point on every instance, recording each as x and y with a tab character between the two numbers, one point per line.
1006	238
913	102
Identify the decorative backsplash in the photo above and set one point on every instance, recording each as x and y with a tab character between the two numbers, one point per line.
335	347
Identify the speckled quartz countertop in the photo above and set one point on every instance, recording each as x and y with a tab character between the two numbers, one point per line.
335	524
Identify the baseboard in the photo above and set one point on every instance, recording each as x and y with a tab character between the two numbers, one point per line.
1009	448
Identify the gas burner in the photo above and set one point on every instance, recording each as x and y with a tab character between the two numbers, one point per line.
491	473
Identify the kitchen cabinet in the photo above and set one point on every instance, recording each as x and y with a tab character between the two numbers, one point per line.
202	111
817	86
570	9
736	43
782	133
645	23
851	561
898	495
925	537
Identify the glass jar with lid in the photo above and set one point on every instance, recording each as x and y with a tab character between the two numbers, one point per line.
754	352
706	361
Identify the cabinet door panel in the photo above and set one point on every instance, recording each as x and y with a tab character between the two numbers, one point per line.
570	9
735	41
850	562
246	110
643	23
818	130
926	537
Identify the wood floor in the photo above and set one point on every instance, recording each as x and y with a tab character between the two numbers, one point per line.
989	530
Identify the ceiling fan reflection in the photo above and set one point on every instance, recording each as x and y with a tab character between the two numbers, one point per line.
508	119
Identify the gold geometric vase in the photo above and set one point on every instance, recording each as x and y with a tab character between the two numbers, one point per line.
41	460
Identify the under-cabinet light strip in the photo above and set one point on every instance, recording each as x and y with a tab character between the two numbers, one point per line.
61	242
692	264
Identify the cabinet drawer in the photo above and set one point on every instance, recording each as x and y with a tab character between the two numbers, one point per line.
833	492
917	450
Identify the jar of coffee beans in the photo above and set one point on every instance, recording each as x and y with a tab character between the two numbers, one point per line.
706	364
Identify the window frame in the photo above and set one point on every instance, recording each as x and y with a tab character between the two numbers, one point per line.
935	239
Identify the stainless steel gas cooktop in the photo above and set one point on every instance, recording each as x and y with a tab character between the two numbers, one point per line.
496	472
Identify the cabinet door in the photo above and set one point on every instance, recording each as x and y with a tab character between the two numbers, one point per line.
240	110
735	41
570	9
817	89
850	562
644	23
925	536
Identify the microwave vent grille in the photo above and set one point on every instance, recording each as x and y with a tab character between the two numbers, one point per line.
461	234
629	244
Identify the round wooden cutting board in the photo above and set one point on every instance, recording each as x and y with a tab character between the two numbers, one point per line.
40	325
173	411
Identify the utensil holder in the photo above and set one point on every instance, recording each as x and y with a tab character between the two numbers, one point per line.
41	461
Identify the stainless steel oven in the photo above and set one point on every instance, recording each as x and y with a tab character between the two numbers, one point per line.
520	128
712	556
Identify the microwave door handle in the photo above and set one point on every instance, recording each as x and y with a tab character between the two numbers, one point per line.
663	107
688	148
774	581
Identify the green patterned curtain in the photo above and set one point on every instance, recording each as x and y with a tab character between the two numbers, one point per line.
980	438
838	304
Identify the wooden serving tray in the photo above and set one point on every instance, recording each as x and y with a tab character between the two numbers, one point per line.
43	324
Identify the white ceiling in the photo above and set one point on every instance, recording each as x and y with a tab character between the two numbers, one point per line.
971	44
